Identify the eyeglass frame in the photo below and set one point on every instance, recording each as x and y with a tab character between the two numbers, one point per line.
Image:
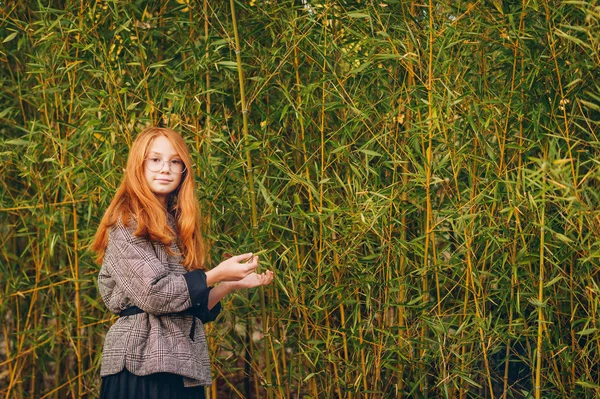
163	165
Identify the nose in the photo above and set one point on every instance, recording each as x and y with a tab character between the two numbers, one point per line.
166	165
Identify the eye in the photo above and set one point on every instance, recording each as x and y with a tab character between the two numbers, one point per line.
155	160
176	162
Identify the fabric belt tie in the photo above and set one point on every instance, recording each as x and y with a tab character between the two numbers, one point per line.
133	310
130	311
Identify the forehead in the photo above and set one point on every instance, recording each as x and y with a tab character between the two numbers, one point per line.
162	146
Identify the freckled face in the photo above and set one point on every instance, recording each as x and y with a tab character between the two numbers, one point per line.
164	181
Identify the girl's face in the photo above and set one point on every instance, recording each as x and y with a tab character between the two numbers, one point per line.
161	168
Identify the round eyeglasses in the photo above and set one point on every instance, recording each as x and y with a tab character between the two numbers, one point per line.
157	164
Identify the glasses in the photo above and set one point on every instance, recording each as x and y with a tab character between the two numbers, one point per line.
157	164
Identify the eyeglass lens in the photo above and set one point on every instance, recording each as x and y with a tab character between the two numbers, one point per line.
156	165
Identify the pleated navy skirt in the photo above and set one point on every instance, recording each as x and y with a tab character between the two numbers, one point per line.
125	385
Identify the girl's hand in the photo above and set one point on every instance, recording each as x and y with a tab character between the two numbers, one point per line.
233	269
254	280
250	281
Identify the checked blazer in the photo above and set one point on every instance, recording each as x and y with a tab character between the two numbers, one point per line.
169	335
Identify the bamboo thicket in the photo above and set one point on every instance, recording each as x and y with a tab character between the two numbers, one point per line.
422	176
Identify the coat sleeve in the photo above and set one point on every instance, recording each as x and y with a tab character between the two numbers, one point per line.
200	310
146	281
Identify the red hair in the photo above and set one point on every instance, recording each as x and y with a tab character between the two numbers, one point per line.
134	199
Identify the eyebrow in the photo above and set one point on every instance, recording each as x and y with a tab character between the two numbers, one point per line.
159	154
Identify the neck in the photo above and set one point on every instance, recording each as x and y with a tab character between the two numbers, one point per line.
162	200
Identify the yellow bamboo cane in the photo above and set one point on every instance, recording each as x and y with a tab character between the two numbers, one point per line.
540	299
250	174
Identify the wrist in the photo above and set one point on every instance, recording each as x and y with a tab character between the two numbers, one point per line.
230	286
213	276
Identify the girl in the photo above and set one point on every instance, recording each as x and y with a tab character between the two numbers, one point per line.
154	276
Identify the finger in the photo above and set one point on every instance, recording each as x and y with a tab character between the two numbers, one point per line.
264	279
243	257
253	264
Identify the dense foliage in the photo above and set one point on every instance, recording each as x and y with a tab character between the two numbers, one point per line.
423	177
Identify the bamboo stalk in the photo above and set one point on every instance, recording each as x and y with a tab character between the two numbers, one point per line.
429	234
7	335
213	387
514	276
300	253
78	310
250	175
571	326
540	298
402	294
478	312
513	285
299	250
207	75
15	379
336	262
363	363
566	131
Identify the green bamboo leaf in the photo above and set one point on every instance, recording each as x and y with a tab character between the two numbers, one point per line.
358	15
5	112
535	302
587	331
308	377
553	281
469	381
10	37
587	384
370	152
562	237
228	64
590	104
160	64
571	37
17	142
394	56
360	68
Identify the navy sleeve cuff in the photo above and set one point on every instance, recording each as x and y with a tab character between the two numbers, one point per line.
196	283
210	315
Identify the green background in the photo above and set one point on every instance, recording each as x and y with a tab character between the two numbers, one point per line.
422	176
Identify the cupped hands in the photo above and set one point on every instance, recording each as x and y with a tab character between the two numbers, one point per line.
235	268
254	280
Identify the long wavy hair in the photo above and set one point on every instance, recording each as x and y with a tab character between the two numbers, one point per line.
134	199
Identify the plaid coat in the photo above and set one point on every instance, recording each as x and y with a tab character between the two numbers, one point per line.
138	272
